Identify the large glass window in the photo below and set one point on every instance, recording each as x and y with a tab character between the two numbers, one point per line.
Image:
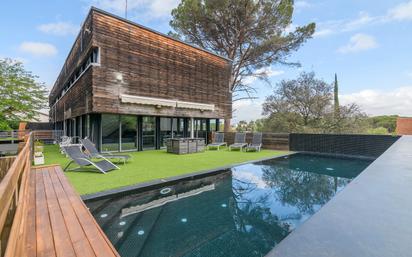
129	132
110	132
213	125
148	132
178	127
165	130
78	127
85	126
200	128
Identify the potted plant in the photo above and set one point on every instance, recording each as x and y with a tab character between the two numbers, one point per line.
38	153
38	146
38	158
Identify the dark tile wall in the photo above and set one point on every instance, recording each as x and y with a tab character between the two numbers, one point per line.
357	145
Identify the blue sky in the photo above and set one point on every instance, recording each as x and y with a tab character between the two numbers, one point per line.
367	43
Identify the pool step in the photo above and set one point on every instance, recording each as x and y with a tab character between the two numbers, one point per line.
138	232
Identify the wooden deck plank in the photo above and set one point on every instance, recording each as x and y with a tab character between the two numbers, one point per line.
100	243
59	223
79	240
31	246
62	242
44	234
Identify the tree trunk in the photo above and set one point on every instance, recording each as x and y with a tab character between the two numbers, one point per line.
227	125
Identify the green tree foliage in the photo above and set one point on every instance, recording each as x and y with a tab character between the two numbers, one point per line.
378	131
21	96
336	97
306	104
253	33
251	126
385	121
302	102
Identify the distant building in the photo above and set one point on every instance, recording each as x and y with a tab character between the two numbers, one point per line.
128	87
41	116
404	126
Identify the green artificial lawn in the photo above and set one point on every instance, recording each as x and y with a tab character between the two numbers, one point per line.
149	165
8	138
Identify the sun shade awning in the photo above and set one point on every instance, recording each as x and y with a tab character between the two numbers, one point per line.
197	106
165	103
147	101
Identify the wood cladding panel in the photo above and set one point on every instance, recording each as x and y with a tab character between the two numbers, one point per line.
155	66
77	101
150	65
76	55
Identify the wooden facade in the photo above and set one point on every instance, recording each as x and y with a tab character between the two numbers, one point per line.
134	60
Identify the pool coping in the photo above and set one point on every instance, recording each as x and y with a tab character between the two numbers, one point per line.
158	183
369	217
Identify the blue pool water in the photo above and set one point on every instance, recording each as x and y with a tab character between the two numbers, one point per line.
243	211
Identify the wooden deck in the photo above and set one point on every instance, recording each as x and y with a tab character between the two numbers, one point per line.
59	223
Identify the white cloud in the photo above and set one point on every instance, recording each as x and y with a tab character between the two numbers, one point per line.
269	71
38	48
378	102
247	110
323	32
340	26
359	42
402	11
59	28
362	20
142	9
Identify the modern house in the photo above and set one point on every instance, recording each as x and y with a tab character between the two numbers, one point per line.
128	87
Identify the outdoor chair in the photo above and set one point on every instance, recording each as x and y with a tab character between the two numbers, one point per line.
256	144
94	153
218	141
240	142
66	141
77	156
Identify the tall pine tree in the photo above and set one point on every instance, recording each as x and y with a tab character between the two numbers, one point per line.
336	98
254	34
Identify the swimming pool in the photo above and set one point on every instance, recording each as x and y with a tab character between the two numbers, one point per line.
242	211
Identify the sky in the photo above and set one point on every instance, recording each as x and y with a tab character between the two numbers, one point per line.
368	43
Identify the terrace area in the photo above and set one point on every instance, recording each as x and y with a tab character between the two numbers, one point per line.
107	210
152	165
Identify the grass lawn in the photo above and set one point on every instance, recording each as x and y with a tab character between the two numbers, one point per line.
8	138
149	165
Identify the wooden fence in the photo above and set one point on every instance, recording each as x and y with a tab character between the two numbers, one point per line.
13	196
274	141
5	163
49	135
13	135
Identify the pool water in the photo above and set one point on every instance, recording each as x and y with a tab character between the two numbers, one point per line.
243	211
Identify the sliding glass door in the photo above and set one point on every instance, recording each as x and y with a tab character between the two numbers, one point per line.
201	128
110	132
148	132
166	131
128	124
178	127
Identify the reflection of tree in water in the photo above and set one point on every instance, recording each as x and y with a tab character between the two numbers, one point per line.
302	189
254	218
